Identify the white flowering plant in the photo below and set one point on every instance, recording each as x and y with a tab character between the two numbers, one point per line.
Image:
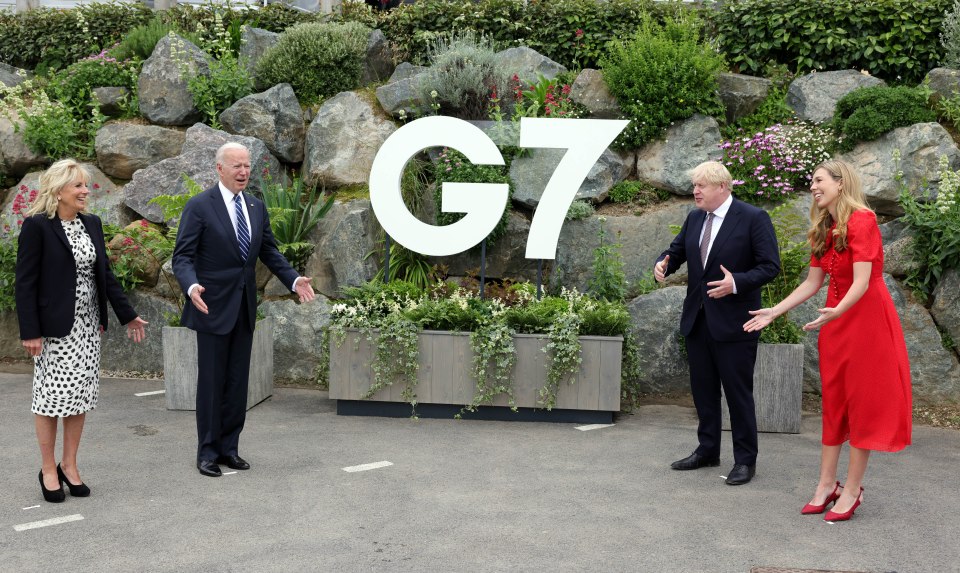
392	314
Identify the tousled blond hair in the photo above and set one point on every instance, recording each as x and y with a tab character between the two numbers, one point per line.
711	173
850	200
52	181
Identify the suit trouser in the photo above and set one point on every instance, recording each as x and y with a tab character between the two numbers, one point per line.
223	372
727	365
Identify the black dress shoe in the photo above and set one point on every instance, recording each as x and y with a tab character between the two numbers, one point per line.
741	474
694	462
209	468
234	462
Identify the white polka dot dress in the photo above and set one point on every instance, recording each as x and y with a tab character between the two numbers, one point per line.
66	375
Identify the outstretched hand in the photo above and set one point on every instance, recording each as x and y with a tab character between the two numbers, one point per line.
136	330
761	318
660	269
722	287
826	315
304	290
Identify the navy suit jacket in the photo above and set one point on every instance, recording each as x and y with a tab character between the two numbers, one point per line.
207	253
746	245
46	287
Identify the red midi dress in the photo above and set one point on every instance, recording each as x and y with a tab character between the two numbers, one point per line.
864	368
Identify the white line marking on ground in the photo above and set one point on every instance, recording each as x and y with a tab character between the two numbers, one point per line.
365	467
31	507
589	427
47	522
154	393
229	473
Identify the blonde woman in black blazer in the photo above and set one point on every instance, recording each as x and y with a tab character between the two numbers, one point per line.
62	288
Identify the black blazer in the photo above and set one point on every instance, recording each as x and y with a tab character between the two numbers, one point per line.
46	284
207	253
747	246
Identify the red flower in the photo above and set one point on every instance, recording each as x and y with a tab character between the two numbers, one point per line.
96	186
144	224
565	90
127	241
578	33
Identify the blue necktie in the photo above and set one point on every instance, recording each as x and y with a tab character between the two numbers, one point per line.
243	234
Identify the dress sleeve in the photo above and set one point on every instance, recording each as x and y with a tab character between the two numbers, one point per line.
815	261
863	237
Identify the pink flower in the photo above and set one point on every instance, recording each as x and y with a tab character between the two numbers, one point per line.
578	33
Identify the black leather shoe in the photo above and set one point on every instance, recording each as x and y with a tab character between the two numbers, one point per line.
209	468
741	474
234	462
694	462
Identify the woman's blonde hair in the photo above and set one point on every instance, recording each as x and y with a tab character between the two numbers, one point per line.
850	200
54	179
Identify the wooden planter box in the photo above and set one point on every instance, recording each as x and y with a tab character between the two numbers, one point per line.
446	366
180	366
777	388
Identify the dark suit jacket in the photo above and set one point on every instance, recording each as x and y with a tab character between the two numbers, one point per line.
207	253
747	246
47	278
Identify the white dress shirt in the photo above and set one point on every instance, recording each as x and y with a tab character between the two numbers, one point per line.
719	214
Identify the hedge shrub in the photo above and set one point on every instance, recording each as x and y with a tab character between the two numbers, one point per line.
867	113
317	59
893	39
662	75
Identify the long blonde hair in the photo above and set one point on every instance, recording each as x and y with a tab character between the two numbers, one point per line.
52	181
850	200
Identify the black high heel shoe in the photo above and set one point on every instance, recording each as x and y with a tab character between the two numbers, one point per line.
51	495
75	490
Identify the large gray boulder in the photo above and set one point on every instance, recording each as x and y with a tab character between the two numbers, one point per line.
15	157
590	90
343	140
198	161
814	96
11	76
505	259
665	163
920	146
528	64
343	239
123	148
946	304
934	370
379	61
643	239
655	321
254	43
529	175
898	257
120	354
162	87
943	82
274	117
298	337
402	95
405	70
741	94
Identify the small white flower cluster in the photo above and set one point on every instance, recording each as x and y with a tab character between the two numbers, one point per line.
949	186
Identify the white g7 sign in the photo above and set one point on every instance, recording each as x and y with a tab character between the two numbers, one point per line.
483	203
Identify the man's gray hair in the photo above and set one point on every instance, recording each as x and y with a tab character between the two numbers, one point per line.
227	147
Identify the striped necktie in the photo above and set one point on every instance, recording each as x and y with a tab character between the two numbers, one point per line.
705	241
243	232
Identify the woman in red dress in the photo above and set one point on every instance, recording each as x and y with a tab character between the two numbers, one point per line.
864	369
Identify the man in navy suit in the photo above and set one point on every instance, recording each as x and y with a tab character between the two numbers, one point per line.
222	234
731	251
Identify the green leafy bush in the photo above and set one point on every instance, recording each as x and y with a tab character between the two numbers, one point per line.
579	210
867	113
608	281
892	39
661	75
50	38
317	60
74	85
794	258
462	75
936	229
452	166
295	211
8	272
950	37
140	41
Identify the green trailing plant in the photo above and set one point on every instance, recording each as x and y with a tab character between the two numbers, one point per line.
608	281
867	113
317	59
494	355
892	39
564	352
935	226
794	258
661	75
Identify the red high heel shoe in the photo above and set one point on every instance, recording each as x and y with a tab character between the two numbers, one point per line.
833	516
810	509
